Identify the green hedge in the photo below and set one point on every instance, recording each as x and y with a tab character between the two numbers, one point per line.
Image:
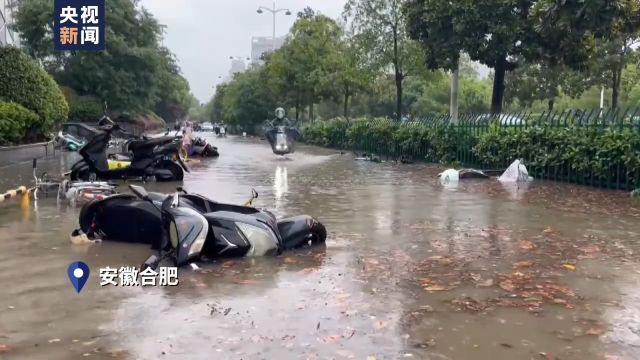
381	136
24	82
14	121
85	109
599	155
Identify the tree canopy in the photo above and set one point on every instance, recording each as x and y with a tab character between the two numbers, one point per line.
134	73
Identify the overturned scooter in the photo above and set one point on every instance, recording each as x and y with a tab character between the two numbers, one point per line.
198	229
191	228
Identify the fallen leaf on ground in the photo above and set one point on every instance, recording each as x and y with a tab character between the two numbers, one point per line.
246	282
435	288
548	230
330	339
569	266
521	264
371	357
53	341
526	245
290	260
4	348
486	283
379	325
507	285
343	296
594	331
345	353
508	346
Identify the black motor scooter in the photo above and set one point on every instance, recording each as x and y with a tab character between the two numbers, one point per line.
150	158
282	139
189	227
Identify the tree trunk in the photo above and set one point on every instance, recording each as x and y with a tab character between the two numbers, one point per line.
297	110
453	106
399	96
398	73
311	112
498	85
346	101
551	103
616	81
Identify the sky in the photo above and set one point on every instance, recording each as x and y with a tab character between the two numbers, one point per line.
203	34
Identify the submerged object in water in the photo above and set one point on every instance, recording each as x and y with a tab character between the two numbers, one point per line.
516	172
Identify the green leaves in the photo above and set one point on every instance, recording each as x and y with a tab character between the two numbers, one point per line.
589	151
134	74
14	121
25	83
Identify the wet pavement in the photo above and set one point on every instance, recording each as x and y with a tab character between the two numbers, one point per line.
411	269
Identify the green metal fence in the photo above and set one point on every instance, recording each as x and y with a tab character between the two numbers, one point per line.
586	147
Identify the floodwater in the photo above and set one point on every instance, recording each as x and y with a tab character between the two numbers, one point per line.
411	269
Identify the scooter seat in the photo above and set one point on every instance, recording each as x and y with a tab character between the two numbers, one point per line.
136	144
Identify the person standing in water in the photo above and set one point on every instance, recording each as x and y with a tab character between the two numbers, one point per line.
187	138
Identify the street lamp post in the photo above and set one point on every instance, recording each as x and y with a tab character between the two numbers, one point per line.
273	11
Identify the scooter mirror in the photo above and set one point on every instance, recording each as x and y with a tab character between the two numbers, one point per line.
181	189
254	193
139	191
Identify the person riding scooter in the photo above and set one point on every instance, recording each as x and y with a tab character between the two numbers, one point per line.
281	134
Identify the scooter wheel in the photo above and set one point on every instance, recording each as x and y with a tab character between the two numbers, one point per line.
176	170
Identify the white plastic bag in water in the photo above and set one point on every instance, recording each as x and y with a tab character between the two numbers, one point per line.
516	172
449	176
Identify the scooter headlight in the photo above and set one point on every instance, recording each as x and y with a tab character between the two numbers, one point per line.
173	234
188	232
262	242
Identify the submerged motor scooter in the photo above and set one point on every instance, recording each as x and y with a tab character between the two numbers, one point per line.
151	158
203	148
189	227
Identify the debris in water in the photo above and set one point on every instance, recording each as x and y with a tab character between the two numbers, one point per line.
526	245
507	285
522	264
246	282
436	288
4	348
54	341
508	346
346	354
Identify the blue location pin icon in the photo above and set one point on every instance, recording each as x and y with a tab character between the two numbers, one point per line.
78	274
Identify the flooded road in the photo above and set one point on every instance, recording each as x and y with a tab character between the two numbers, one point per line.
410	270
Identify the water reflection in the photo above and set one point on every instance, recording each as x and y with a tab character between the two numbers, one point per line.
516	190
280	185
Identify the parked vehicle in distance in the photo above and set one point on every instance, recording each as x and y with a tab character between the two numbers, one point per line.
504	119
206	126
80	131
